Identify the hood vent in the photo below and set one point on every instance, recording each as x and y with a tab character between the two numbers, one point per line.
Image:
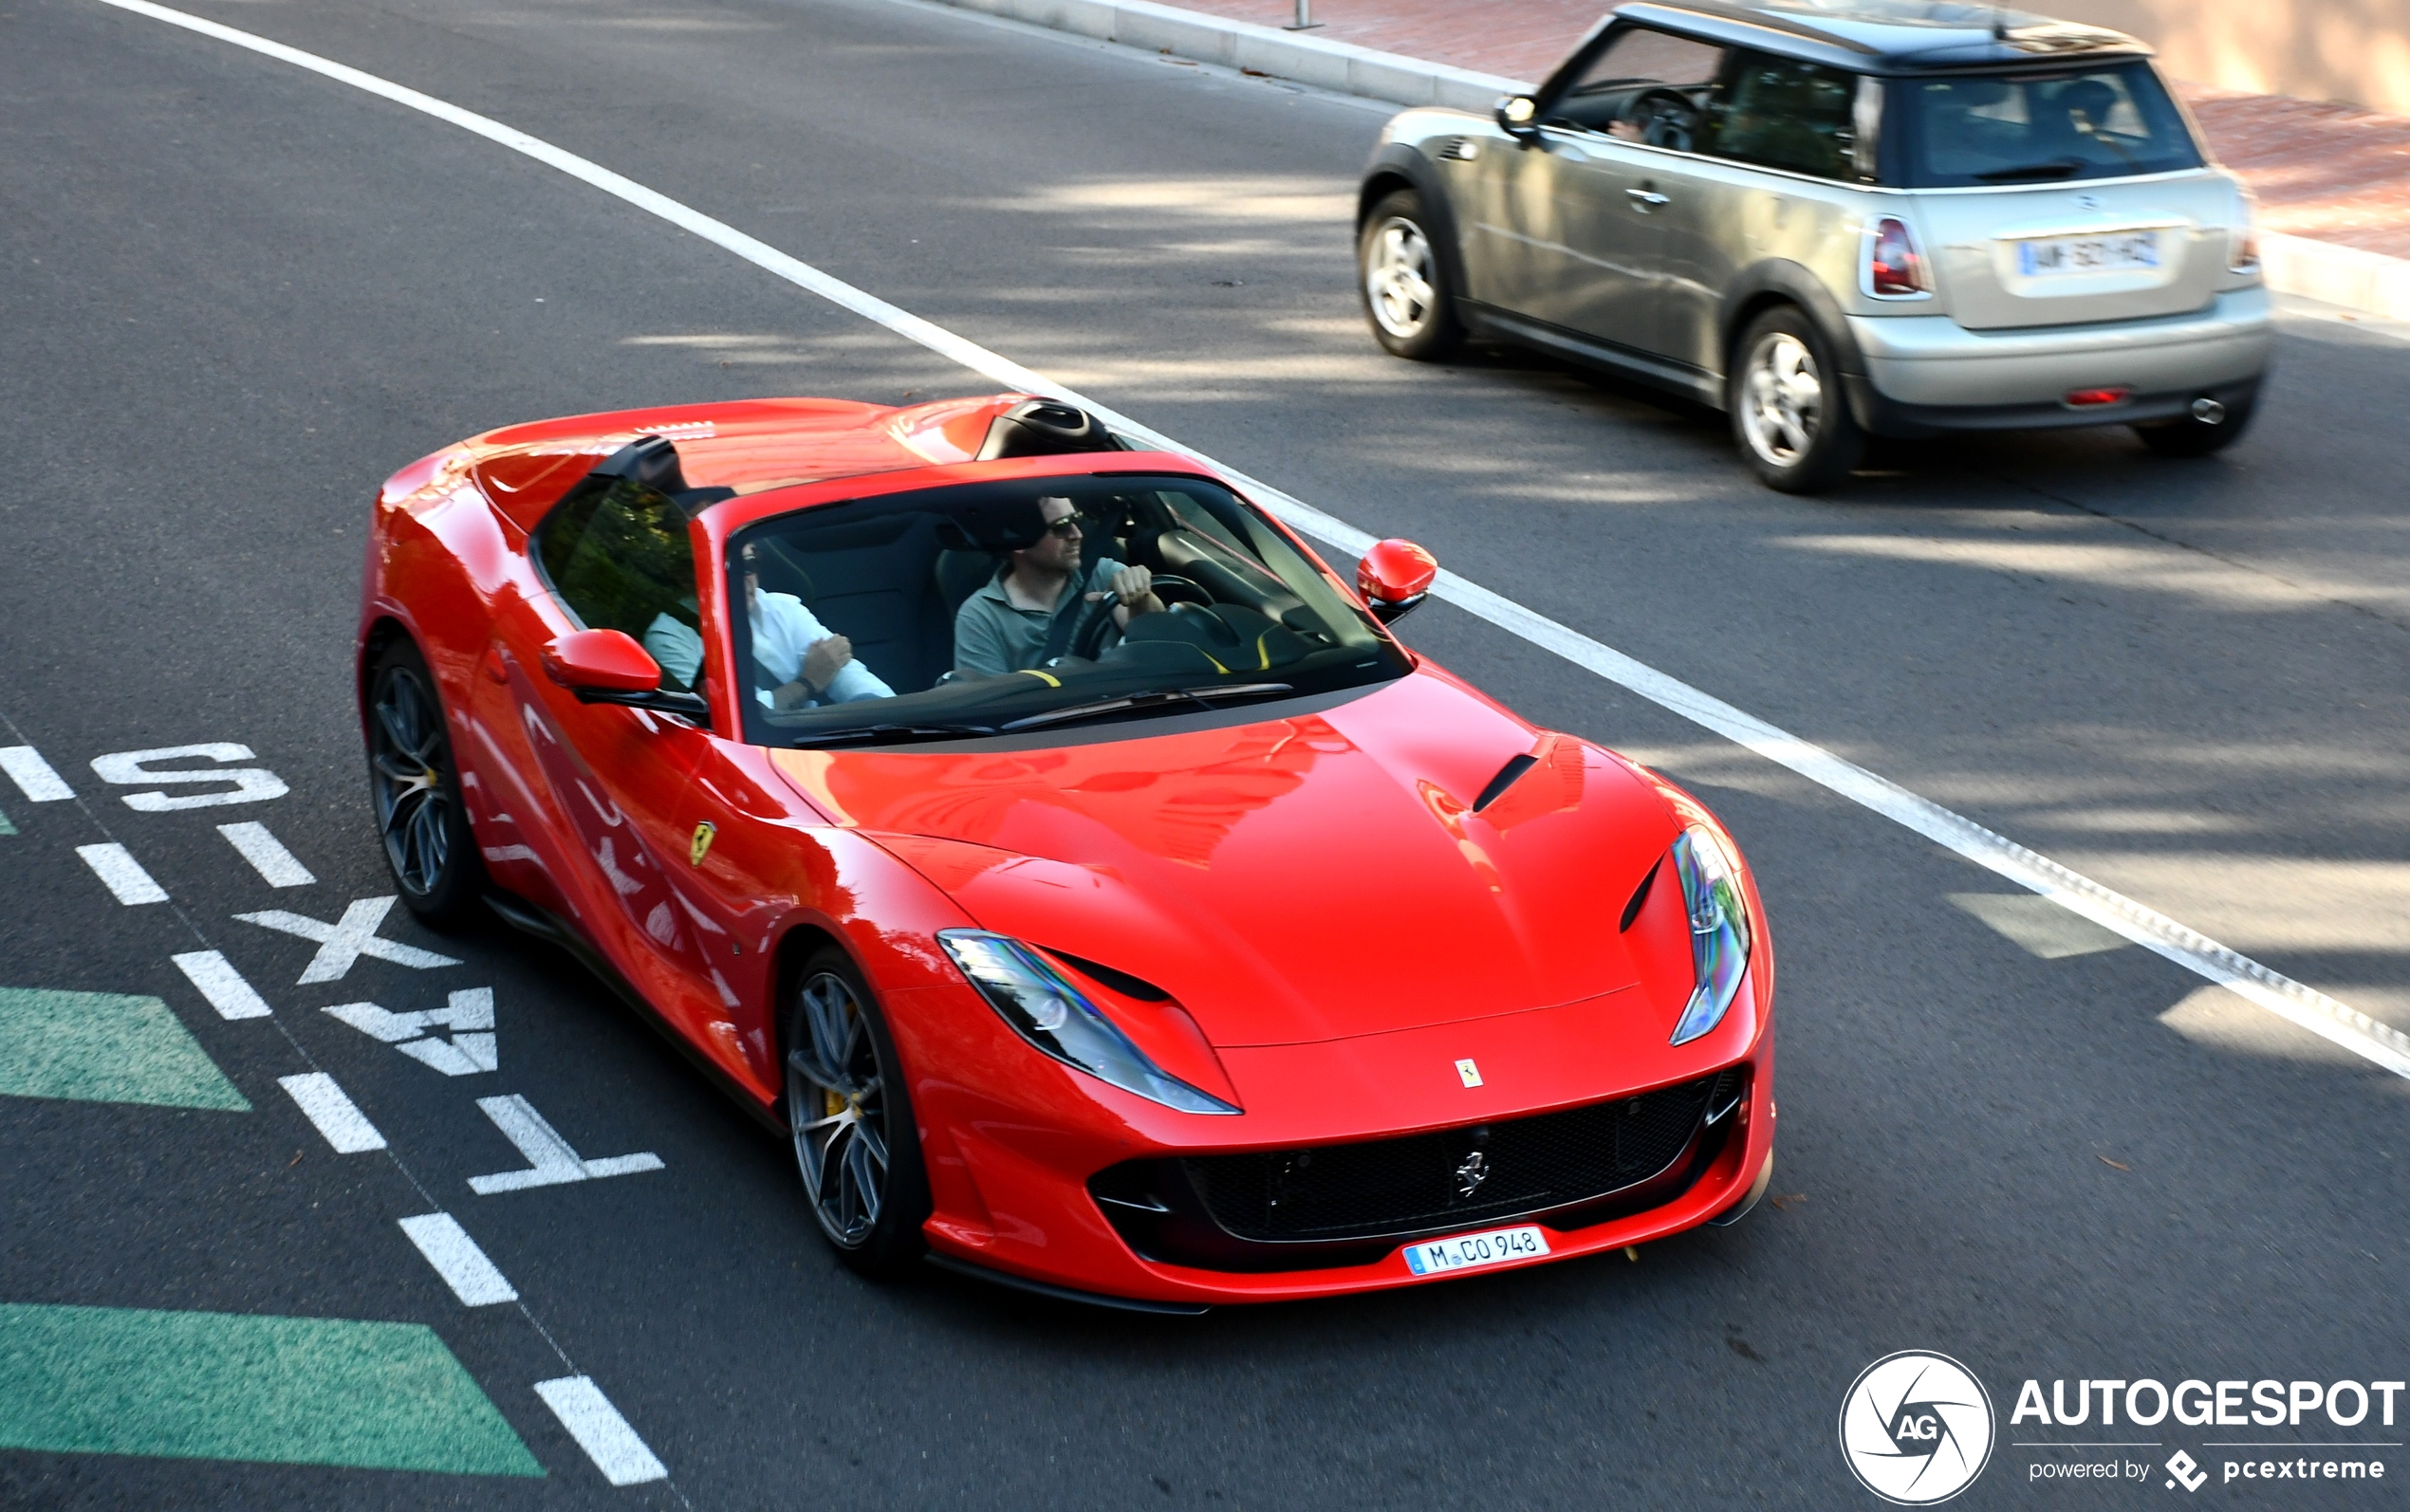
1516	767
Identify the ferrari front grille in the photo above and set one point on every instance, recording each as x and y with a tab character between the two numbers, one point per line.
1321	1204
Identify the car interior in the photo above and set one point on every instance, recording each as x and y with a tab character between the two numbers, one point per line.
890	574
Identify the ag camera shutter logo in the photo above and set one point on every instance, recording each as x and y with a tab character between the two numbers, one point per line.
1917	1428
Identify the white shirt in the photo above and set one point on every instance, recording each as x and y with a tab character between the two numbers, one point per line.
783	630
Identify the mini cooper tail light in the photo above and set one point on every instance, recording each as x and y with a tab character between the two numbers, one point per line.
1893	264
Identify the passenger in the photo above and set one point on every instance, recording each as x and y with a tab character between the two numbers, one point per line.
804	663
1006	625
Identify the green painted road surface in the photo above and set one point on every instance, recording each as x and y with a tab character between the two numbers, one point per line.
222	1386
105	1047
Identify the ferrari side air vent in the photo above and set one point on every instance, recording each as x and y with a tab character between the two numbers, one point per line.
1640	895
1459	150
1121	982
1042	428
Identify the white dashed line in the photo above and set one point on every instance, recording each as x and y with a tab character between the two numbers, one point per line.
2305	1005
551	1160
32	775
325	1104
222	985
345	941
267	855
601	1430
121	873
456	1258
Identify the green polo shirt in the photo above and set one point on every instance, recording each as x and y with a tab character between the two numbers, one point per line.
992	635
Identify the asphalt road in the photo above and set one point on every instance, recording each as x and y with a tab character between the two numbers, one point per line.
237	296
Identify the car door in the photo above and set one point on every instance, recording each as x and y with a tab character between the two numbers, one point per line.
1576	213
613	779
1764	171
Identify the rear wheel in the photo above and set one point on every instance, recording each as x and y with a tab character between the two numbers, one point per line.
856	1143
1789	413
2211	427
1405	291
417	790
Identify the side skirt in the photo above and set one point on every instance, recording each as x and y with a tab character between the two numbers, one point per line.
1700	387
545	925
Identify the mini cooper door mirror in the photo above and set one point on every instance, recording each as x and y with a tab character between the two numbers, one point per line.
1517	115
1394	577
609	667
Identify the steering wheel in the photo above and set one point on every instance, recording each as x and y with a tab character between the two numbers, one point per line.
1089	638
1665	118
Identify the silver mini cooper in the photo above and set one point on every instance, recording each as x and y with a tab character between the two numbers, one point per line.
1880	216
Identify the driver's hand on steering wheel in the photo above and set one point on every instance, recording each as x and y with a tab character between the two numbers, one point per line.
1133	592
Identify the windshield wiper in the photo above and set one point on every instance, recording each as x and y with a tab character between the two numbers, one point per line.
1205	696
2056	168
890	733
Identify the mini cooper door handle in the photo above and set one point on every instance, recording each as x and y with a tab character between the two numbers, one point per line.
1647	200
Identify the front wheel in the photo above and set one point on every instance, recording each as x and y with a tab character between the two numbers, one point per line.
1405	291
856	1143
416	787
1789	412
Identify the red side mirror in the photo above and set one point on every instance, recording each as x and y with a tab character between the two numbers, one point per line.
1394	577
601	661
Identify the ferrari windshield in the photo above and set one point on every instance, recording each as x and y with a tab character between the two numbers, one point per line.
1035	604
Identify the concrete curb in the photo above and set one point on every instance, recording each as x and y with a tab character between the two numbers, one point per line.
2295	265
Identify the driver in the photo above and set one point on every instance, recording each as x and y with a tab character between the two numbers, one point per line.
1005	626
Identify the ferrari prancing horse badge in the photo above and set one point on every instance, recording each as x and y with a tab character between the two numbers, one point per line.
701	845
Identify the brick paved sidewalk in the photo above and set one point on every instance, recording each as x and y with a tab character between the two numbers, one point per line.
2331	172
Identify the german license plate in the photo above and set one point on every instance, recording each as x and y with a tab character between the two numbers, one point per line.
1473	1251
2115	252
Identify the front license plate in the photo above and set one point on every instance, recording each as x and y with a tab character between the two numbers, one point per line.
2118	251
1473	1251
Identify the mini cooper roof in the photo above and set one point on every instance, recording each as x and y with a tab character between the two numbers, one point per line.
1890	36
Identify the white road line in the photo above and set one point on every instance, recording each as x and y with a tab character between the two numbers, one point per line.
32	775
473	1278
2305	1005
222	985
325	1104
551	1160
348	939
267	855
121	873
601	1430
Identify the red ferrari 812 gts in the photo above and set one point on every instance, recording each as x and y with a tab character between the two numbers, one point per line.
1043	840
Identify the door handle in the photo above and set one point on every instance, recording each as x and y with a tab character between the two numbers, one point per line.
1647	200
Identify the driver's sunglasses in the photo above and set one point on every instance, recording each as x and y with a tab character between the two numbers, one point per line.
1069	526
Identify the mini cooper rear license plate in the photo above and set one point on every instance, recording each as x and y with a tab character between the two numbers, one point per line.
2120	251
1473	1251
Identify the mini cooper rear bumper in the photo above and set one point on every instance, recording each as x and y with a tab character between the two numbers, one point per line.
1927	375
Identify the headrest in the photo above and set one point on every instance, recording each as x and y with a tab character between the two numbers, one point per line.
1040	428
651	461
997	529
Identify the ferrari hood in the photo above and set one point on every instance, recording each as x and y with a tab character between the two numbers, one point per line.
1292	880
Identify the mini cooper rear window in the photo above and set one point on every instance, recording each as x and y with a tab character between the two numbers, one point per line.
2105	121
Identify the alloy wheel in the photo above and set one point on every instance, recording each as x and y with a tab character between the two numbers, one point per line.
1784	401
1400	278
837	1105
414	805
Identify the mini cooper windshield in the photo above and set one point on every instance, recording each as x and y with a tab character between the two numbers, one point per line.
1027	605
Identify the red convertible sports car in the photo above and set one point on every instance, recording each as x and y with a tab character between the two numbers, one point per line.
1045	840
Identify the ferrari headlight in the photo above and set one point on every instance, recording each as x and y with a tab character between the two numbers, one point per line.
1719	929
1057	1018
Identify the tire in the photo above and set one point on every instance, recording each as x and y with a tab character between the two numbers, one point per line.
2193	437
849	1117
1791	417
414	787
1405	287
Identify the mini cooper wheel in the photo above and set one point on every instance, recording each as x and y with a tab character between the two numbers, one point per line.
1789	412
417	791
856	1144
1405	290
